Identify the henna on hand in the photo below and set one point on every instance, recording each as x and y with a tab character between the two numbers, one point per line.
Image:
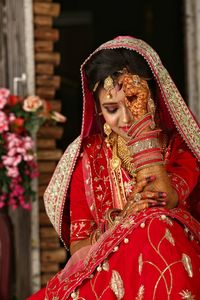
137	94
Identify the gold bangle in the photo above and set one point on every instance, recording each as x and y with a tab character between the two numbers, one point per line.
94	236
109	218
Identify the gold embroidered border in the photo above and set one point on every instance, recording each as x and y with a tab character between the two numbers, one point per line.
54	196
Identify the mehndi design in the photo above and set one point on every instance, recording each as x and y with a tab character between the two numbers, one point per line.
137	94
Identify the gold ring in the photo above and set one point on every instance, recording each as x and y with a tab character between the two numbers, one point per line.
137	197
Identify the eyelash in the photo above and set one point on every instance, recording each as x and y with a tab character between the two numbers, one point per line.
111	111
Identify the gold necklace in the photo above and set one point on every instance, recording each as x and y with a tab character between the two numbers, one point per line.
125	156
115	161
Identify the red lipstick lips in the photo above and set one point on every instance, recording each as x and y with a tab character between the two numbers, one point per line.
125	128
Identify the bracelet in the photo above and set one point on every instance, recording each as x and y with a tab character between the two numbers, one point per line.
150	136
94	236
140	125
145	150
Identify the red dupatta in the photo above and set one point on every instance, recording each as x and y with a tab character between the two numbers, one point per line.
175	114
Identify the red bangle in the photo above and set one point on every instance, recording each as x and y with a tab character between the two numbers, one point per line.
140	125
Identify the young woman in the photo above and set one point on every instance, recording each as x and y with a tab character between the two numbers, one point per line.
129	181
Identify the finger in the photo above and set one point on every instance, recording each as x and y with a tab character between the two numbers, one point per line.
142	183
153	203
142	204
153	195
136	206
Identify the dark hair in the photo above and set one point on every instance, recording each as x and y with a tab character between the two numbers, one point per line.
111	61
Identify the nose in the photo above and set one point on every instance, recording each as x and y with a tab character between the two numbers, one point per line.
126	115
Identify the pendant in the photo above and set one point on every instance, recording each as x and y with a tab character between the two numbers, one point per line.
115	163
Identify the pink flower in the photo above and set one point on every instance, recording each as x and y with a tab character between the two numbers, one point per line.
11	160
4	94
28	143
12	172
18	149
32	103
28	157
14	140
21	150
11	117
3	122
11	152
3	102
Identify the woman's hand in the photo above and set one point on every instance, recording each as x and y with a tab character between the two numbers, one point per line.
77	245
141	199
137	94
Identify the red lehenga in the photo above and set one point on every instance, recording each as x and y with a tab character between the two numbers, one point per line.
154	254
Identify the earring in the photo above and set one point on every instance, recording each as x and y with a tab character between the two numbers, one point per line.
107	131
108	86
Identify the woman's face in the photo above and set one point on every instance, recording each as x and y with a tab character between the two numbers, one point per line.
115	112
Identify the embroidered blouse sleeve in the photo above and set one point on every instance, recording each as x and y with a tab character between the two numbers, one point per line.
82	222
183	169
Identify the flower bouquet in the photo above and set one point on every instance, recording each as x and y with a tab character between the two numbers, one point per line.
20	119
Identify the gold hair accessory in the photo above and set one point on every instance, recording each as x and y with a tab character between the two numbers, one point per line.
108	86
107	131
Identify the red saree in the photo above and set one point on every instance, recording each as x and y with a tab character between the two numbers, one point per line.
153	254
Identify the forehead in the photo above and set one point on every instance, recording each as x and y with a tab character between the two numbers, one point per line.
102	94
116	99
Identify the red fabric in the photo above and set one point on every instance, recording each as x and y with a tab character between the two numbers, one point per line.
82	223
181	164
143	245
152	255
184	169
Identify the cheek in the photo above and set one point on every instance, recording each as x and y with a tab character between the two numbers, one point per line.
111	120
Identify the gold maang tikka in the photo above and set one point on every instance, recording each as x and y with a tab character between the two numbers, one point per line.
108	86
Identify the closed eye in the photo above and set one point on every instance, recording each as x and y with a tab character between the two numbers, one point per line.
111	110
